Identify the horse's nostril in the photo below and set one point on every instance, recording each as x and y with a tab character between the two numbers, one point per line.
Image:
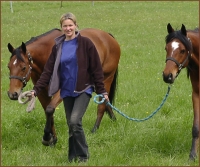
13	96
170	77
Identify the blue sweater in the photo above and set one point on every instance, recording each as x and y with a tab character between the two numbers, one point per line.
69	69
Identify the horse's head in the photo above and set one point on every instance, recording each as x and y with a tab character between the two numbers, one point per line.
20	70
178	49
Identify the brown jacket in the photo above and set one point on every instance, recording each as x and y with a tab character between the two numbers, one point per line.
90	71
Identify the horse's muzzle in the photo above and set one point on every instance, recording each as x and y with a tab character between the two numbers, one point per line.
168	78
13	96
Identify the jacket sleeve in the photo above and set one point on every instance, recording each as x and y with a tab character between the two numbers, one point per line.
96	70
47	73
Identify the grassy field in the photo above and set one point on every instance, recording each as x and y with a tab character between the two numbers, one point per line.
140	29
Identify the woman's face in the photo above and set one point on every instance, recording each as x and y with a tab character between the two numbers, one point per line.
68	27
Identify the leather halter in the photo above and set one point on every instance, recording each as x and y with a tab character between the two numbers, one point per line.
24	79
180	65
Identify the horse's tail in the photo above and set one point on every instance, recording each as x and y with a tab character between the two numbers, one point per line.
113	88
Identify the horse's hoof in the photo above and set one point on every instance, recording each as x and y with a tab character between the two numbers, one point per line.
114	119
52	142
192	157
94	129
111	116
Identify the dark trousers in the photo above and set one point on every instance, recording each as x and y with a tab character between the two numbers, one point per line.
75	108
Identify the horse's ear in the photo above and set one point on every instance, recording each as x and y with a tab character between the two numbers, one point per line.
10	48
23	46
183	30
169	28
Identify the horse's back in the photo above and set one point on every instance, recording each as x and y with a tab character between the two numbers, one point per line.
41	46
106	45
47	39
100	37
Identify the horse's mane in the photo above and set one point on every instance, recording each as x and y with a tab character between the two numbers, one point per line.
111	35
37	37
17	50
18	55
178	35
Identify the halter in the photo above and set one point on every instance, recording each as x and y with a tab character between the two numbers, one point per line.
23	79
180	65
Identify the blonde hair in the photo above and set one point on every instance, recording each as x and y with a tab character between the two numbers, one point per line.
68	16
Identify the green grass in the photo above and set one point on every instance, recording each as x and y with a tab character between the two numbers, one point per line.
140	29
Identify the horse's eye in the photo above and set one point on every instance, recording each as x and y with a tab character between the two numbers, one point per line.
23	69
182	51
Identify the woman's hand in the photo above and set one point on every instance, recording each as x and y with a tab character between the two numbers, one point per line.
106	97
33	93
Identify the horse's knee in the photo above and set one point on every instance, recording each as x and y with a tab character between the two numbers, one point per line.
195	132
49	110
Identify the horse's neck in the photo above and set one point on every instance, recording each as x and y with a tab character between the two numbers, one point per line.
39	59
194	37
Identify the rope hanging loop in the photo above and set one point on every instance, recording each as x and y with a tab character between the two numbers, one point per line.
124	115
28	98
99	102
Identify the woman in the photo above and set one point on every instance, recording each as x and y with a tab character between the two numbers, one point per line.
73	67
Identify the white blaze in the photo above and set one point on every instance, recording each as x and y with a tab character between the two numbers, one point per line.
174	45
15	62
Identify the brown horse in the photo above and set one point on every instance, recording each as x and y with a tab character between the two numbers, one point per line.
28	60
182	49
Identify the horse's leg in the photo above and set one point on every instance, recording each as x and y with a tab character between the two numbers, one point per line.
50	138
100	113
49	130
102	107
111	85
195	128
45	100
110	113
194	77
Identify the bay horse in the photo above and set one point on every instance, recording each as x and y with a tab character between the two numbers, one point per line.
182	51
28	60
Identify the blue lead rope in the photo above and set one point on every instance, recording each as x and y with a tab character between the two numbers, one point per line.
132	119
